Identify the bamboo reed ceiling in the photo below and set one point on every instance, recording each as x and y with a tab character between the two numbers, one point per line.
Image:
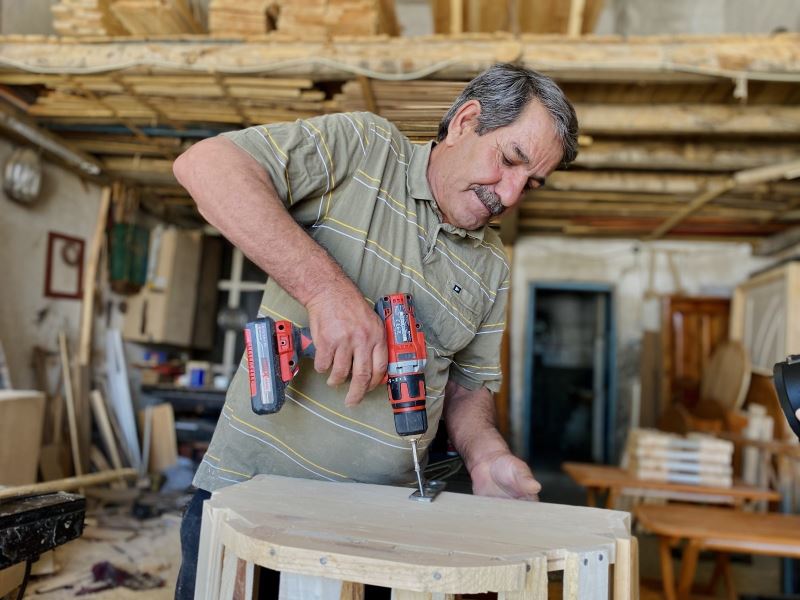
663	120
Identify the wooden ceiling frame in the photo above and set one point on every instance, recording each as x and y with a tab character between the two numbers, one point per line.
141	135
790	170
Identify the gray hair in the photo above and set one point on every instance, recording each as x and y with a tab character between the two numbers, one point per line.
504	91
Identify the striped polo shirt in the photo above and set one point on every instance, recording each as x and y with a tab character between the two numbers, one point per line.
360	189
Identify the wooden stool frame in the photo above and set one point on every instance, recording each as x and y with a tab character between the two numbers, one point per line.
368	534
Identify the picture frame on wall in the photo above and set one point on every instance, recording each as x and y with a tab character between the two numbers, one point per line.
64	267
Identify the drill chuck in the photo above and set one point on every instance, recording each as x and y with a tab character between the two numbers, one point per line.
407	396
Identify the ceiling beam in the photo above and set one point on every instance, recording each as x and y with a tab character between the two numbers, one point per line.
673	58
759	175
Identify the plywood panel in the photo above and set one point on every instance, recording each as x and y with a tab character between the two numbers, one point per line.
21	423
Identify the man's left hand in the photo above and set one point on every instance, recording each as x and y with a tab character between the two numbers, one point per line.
504	476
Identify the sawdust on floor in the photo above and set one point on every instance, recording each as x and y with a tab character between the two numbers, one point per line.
150	546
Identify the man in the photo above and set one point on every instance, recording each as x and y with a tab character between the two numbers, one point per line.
342	209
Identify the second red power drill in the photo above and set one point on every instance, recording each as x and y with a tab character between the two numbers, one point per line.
273	349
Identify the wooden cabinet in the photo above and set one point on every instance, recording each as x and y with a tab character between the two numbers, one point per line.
163	311
766	316
691	328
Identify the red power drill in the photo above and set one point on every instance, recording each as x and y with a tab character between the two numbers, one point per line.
274	347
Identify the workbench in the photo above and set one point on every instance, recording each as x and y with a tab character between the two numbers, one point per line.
370	534
599	478
718	529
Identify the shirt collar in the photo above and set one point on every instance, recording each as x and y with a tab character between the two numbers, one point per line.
419	189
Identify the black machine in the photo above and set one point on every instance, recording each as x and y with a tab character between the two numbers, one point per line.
31	525
786	376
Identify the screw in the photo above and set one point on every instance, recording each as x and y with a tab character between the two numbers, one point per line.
437	576
585	561
323	561
272	552
600	558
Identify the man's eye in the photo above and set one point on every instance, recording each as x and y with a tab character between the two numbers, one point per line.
506	162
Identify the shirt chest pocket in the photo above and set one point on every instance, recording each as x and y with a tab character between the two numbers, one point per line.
452	316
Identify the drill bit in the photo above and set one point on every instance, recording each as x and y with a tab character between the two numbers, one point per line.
417	469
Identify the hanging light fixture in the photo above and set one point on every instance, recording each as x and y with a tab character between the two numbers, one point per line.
22	175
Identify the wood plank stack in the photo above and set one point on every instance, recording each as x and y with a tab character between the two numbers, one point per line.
180	99
416	107
86	17
533	16
303	18
242	17
155	17
695	459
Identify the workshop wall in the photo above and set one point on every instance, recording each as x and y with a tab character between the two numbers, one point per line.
66	205
711	269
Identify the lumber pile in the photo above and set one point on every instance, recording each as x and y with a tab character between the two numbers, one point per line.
416	107
694	459
86	17
533	16
302	18
180	99
155	17
242	17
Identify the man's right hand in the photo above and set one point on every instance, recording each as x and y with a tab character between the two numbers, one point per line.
350	339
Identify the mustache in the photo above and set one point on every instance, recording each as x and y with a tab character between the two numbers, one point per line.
489	199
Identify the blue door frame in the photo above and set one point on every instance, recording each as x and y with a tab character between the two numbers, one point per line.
611	412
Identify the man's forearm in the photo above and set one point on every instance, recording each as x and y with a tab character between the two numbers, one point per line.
472	424
235	195
470	417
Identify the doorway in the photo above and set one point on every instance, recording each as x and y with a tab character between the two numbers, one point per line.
570	384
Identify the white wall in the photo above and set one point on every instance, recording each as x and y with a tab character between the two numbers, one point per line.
27	16
702	268
655	17
27	318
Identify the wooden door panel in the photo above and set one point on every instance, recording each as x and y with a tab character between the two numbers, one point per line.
691	330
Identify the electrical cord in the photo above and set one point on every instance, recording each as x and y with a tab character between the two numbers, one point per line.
444	469
24	583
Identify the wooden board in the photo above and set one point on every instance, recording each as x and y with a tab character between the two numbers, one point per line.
457	544
163	447
722	524
21	422
607	477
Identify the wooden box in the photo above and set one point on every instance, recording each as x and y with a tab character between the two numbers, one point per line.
21	422
163	311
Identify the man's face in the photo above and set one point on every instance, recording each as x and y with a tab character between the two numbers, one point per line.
480	176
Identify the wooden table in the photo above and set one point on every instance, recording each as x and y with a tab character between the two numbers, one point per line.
596	478
721	529
370	534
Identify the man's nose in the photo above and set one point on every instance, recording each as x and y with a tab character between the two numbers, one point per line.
511	189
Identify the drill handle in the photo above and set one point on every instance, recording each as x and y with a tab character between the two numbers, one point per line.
303	342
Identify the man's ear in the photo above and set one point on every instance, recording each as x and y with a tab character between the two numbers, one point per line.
465	120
